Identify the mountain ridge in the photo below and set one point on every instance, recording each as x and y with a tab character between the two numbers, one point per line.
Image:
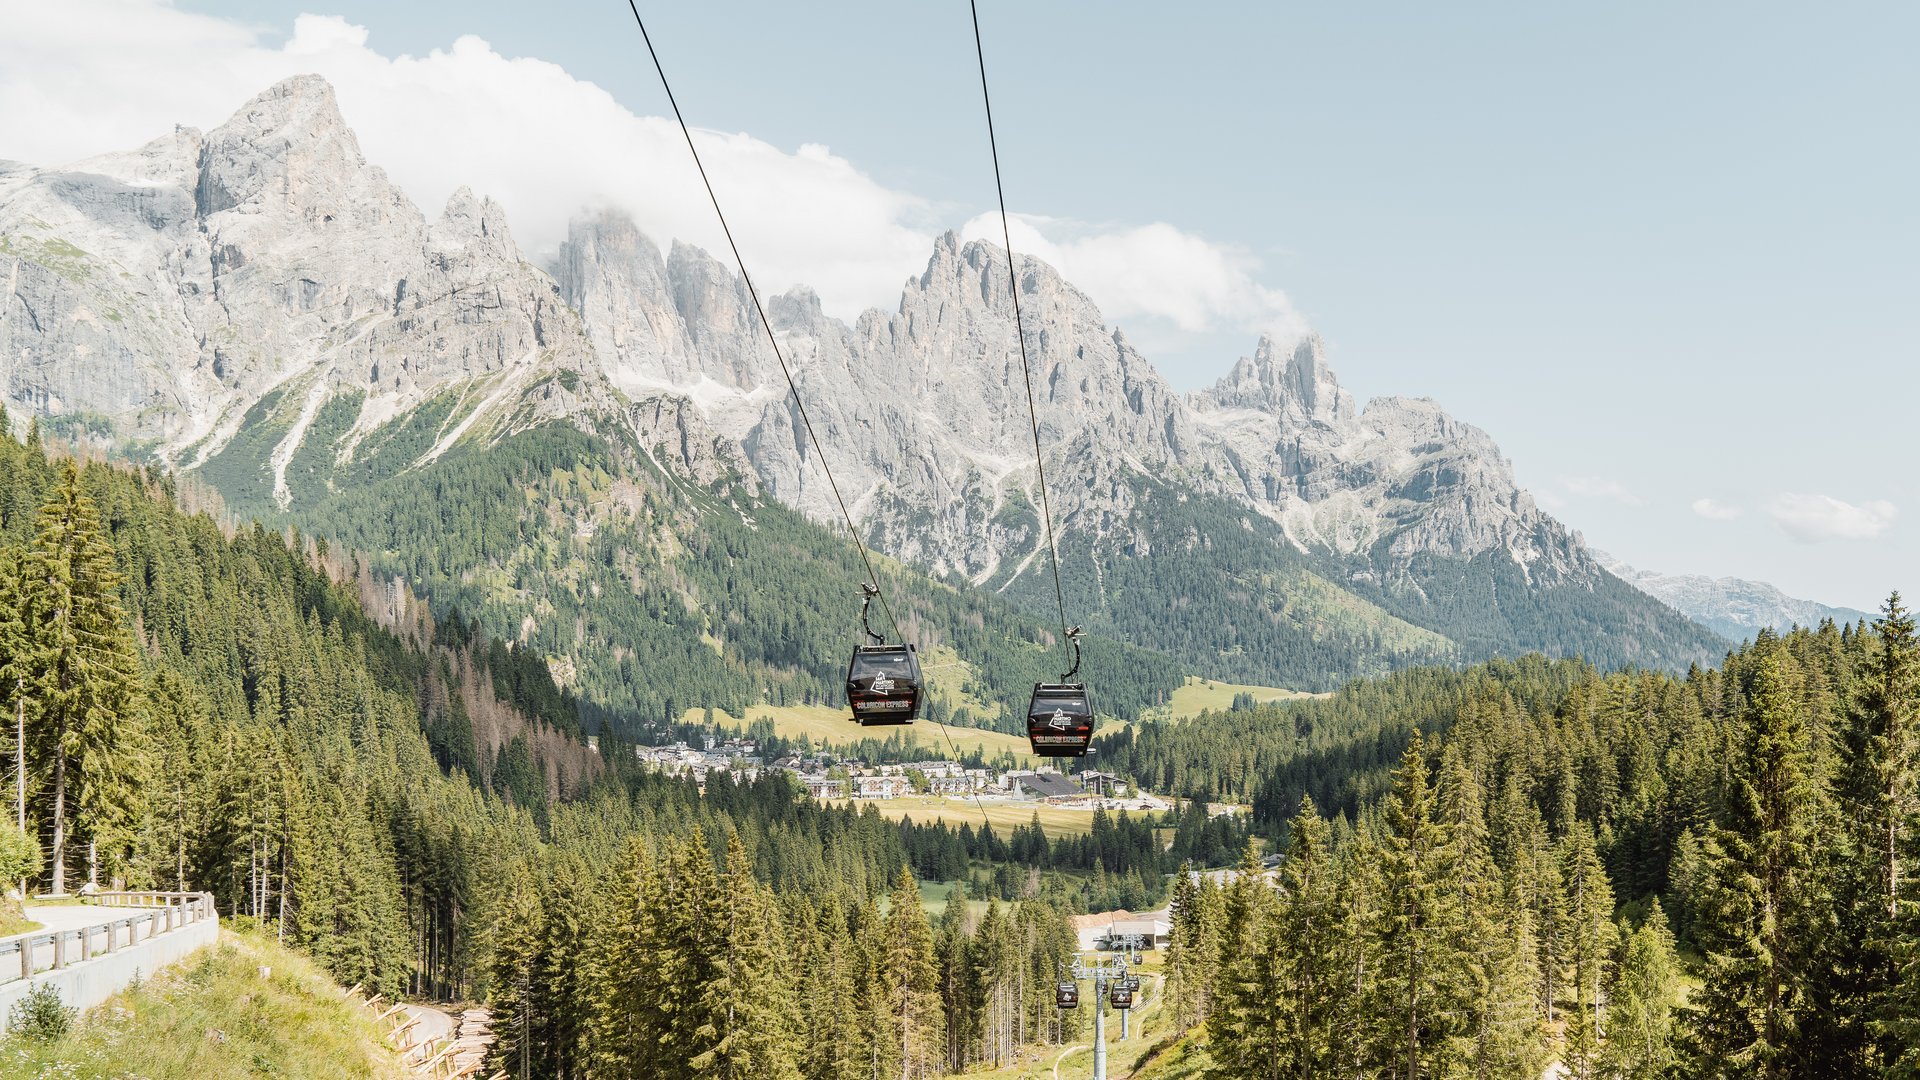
259	305
1735	608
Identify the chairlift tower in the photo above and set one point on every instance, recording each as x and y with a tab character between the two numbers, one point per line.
1107	969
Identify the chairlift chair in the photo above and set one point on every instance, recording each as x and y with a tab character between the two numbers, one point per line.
883	681
1060	714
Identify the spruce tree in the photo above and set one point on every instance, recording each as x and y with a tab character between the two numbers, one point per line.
1417	991
958	989
1858	980
747	1005
85	691
1590	943
1311	991
1499	1034
909	983
1243	1027
1760	917
518	933
565	985
1641	1003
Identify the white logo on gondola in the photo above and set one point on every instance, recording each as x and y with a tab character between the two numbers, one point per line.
882	684
1059	721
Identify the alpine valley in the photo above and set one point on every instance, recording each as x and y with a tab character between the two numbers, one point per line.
599	459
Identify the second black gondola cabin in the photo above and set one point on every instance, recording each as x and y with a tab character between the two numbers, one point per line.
1060	720
1066	996
1120	994
883	684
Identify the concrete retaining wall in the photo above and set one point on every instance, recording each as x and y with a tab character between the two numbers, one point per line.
87	983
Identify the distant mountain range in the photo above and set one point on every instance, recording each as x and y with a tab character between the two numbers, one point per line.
260	308
1732	607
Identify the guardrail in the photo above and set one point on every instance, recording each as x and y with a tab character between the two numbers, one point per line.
25	956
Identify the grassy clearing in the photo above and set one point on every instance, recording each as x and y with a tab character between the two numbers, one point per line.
1054	820
1201	695
213	1017
832	728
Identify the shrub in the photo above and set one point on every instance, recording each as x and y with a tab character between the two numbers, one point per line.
40	1016
19	855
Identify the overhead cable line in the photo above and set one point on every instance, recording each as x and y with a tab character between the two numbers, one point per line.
1068	634
873	579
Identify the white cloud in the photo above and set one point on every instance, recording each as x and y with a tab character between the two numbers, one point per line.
1715	510
1600	487
1154	270
84	77
1813	518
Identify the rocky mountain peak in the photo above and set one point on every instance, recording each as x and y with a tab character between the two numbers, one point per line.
471	223
289	151
1293	379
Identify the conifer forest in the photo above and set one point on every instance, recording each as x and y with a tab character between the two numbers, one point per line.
1446	872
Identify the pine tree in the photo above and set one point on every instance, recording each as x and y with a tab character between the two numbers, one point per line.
1193	950
1242	1025
832	1001
1500	1032
1590	943
627	1021
514	971
1310	988
1880	791
910	984
1763	902
958	989
565	976
85	693
1641	1003
1416	991
747	1005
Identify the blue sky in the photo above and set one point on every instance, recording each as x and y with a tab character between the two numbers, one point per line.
1665	254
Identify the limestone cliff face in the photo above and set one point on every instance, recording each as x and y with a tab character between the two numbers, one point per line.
923	413
167	291
166	294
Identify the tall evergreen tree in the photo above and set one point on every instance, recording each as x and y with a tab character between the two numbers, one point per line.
1760	917
1305	945
1641	1003
747	1006
1417	989
514	974
1589	948
1856	982
909	983
85	696
1243	1024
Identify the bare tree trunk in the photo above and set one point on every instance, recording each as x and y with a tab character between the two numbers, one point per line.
59	812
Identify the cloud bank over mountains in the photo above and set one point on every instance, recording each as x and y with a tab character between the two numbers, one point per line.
94	76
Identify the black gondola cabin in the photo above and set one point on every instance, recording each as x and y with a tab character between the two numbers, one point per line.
883	684
1120	995
1067	996
1060	720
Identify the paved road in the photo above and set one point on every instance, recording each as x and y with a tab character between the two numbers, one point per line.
435	1024
70	917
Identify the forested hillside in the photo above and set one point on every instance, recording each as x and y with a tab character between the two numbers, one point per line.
217	710
1632	874
657	594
